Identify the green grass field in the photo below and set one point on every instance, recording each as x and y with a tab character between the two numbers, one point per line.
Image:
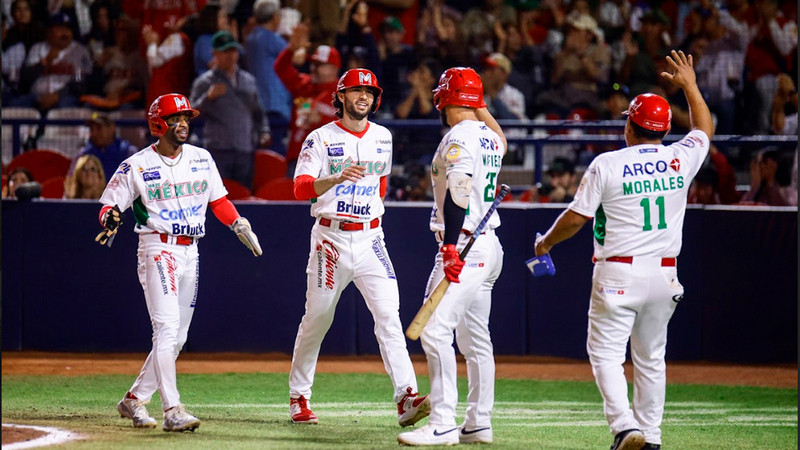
250	411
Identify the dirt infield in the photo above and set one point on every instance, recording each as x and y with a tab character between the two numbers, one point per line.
541	368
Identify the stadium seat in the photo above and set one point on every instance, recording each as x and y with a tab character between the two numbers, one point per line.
68	139
277	189
25	131
53	187
236	190
138	136
43	164
267	165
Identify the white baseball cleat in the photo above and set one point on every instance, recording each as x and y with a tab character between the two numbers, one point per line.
132	408
412	408
474	435
430	434
177	419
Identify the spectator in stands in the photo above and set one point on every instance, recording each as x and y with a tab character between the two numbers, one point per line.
326	17
356	41
104	144
124	72
530	65
87	181
785	98
411	144
160	17
227	97
479	25
171	60
704	187
26	29
580	67
644	51
16	90
398	60
59	67
441	37
724	184
772	50
719	64
313	92
211	19
562	184
102	32
262	47
503	100
18	176
764	186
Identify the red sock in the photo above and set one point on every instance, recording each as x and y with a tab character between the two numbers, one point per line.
129	395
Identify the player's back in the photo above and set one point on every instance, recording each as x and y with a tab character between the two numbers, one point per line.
642	193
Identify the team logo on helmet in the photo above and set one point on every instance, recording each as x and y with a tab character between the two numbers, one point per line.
180	102
364	78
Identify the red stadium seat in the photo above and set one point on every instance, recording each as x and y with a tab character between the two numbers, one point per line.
236	190
267	165
43	164
277	189
53	187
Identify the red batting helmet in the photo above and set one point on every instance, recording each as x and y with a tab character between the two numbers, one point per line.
459	86
650	112
361	77
164	106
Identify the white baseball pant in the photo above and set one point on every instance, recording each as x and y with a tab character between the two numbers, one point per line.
169	275
337	258
464	308
633	301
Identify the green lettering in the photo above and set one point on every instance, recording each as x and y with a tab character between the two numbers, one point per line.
680	181
637	186
153	194
647	186
627	189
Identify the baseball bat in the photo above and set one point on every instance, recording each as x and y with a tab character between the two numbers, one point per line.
429	305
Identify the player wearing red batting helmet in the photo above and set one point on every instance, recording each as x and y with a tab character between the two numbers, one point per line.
651	112
165	106
356	78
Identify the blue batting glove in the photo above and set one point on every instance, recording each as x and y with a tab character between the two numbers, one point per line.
541	265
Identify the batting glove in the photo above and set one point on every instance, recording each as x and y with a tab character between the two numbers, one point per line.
241	227
452	262
541	265
111	221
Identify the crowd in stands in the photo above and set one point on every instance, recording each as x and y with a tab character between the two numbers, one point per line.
262	72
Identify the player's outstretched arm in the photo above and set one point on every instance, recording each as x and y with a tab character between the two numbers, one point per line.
684	77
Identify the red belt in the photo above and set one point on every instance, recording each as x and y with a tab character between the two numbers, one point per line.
352	226
179	240
665	262
469	233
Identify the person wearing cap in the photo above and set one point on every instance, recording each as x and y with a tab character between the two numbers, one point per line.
503	100
262	47
230	102
312	92
637	196
170	60
644	50
105	145
58	65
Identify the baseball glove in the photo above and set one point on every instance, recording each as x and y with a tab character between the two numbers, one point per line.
111	221
241	227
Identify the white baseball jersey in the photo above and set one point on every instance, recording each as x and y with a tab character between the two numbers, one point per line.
168	196
329	150
472	148
637	196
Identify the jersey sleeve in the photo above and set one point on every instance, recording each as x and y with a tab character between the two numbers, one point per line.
458	157
120	190
309	162
589	194
692	149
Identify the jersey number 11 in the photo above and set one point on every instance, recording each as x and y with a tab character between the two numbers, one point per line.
645	203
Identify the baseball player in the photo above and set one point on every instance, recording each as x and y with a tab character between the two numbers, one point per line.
464	176
169	185
637	197
342	169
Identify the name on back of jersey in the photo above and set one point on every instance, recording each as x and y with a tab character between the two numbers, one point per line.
656	176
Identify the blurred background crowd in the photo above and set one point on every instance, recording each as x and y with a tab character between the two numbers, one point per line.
262	73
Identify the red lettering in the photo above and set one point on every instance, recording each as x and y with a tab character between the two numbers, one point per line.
172	266
331	256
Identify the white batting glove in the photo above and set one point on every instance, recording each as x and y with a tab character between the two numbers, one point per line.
241	227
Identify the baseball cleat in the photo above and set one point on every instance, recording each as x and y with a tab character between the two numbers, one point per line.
430	434
632	439
649	446
300	412
177	419
131	408
474	435
412	408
